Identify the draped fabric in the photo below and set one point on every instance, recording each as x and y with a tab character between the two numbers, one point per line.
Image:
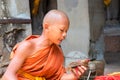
46	62
107	2
36	7
107	77
111	76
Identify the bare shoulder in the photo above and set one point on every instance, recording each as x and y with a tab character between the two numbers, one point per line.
25	48
26	44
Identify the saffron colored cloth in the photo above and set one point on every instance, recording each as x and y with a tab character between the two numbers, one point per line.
46	62
116	77
107	2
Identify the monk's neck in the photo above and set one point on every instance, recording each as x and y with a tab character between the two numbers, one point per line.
43	40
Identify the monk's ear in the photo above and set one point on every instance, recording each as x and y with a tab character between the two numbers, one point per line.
46	26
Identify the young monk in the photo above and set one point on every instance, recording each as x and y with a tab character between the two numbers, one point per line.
40	57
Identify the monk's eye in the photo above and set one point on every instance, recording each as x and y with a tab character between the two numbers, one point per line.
61	30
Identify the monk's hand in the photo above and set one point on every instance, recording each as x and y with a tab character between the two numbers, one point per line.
78	68
78	71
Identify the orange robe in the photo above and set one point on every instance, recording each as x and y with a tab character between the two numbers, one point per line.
47	62
107	77
111	76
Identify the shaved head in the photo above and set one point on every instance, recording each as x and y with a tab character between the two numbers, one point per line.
55	26
54	15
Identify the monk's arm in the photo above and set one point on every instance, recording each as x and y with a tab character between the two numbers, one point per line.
72	75
68	77
16	62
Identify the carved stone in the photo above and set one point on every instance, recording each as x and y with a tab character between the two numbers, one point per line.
12	33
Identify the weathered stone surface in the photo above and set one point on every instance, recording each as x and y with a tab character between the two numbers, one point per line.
18	8
2	8
10	34
78	34
96	17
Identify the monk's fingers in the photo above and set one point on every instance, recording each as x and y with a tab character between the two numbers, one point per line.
79	71
82	69
76	72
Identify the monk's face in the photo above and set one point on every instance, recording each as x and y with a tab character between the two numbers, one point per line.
58	31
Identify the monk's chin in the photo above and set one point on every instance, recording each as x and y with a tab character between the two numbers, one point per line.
58	43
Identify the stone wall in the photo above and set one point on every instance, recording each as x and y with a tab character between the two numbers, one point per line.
12	28
78	34
97	23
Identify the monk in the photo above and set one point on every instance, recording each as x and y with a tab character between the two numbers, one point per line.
39	57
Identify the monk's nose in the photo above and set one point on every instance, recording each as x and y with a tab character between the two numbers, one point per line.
64	35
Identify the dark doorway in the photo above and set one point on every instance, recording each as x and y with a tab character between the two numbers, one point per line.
43	7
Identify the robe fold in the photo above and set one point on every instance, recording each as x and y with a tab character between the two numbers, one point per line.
107	77
111	76
46	62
